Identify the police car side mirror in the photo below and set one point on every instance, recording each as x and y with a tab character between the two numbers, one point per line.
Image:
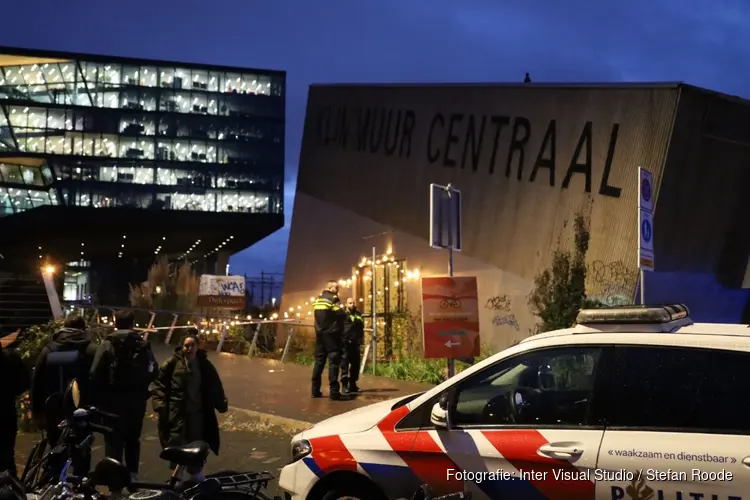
440	416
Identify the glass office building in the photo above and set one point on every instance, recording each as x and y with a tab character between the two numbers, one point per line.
172	152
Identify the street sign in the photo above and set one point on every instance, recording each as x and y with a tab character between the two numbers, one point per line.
445	217
645	190
450	317
645	220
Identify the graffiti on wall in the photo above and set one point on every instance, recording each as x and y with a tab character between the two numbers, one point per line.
612	283
502	314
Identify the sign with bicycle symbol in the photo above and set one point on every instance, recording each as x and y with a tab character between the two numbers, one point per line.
451	302
450	317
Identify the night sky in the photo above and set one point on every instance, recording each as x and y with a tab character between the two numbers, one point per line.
702	42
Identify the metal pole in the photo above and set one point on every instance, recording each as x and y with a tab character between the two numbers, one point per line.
643	287
374	312
148	327
255	341
286	346
222	339
451	361
171	329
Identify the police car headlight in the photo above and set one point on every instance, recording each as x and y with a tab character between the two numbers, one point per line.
300	449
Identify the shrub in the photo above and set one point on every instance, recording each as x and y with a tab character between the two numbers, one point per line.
560	291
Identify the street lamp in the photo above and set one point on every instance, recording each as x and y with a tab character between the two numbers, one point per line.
49	269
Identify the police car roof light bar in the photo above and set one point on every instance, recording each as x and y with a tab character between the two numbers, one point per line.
634	314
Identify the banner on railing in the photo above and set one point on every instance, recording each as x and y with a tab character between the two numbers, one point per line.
222	291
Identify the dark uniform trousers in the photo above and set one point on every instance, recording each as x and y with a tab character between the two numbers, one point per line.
350	361
327	348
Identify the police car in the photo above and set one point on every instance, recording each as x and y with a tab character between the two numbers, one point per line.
633	403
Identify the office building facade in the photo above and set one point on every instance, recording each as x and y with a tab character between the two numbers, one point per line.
107	162
528	158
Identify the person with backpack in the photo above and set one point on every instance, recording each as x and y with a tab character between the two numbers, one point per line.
16	380
122	371
67	356
186	395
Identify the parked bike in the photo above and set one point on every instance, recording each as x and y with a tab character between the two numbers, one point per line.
425	493
51	470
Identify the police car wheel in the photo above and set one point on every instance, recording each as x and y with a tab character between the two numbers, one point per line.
348	492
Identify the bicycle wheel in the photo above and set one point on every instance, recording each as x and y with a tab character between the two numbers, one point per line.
33	462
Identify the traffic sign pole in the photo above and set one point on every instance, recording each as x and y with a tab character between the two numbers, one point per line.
451	361
645	228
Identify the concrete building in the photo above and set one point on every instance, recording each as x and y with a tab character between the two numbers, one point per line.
528	158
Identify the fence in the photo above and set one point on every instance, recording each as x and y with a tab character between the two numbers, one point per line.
272	338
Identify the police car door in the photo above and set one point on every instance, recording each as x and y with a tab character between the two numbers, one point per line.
678	423
528	426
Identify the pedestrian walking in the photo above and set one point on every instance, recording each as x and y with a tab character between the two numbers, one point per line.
329	326
185	396
122	371
16	380
68	355
354	336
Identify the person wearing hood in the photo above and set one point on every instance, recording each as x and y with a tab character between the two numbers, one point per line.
16	380
186	395
121	373
67	356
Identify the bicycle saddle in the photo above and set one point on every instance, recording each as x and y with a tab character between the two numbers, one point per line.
191	454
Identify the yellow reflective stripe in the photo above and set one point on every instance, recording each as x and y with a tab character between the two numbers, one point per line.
321	307
322	304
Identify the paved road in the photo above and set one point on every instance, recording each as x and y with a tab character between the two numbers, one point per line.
283	389
248	443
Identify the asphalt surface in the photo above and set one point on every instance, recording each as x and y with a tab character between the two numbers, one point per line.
283	389
248	443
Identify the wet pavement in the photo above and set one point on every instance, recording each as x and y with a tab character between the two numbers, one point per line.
247	444
283	389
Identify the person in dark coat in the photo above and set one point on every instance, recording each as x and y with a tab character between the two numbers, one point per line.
351	359
185	396
122	371
16	380
329	326
68	355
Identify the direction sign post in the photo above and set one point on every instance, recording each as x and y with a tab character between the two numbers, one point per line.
645	227
445	229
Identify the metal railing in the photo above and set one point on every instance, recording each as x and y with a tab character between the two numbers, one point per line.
219	325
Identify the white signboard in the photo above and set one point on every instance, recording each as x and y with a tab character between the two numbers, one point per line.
445	217
645	220
233	286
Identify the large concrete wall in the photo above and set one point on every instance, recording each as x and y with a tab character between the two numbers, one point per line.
527	159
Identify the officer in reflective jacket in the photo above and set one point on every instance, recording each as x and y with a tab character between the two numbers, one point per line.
329	325
351	358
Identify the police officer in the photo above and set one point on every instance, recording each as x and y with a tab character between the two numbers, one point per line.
329	325
354	335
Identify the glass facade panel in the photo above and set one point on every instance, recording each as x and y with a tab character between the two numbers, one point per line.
202	139
11	173
6	205
20	200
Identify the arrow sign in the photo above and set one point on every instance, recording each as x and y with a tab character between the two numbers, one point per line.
450	344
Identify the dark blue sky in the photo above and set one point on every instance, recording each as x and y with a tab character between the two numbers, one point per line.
703	42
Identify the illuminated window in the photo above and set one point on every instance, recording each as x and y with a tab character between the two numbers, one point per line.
11	173
134	150
32	176
130	175
39	198
20	199
6	205
149	77
166	77
138	126
193	202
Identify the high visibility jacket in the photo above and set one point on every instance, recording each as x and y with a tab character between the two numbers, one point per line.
329	314
354	326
